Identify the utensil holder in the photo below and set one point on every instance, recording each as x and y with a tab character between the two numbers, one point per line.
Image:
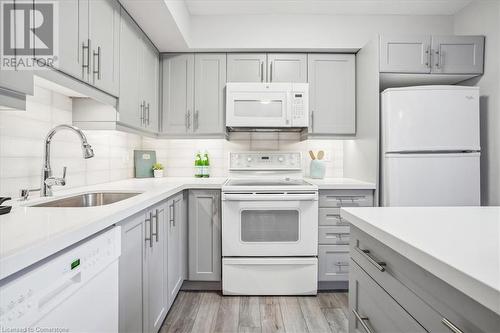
317	169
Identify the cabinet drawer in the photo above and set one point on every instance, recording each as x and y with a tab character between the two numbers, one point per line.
345	198
333	262
371	306
331	216
428	299
333	235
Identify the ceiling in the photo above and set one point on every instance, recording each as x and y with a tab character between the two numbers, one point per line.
327	7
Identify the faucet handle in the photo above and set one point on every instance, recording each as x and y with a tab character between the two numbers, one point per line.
24	194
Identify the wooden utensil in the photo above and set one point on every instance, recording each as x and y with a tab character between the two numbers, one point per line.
321	154
312	155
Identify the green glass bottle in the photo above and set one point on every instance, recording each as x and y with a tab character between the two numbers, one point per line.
198	166
206	165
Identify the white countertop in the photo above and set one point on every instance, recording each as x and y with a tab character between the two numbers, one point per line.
341	184
30	234
459	245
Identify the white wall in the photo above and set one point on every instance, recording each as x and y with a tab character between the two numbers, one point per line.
306	31
483	18
22	135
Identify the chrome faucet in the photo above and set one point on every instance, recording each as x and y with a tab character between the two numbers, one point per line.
47	179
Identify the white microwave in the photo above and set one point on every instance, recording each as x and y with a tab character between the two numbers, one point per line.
267	105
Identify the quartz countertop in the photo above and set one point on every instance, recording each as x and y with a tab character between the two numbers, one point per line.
459	245
341	184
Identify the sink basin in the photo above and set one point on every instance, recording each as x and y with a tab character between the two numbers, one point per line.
91	199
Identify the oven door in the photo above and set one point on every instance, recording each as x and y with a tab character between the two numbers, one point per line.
277	224
257	109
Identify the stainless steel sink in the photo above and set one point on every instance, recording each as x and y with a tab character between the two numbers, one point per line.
90	199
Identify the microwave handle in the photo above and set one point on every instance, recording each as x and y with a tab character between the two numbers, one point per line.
312	121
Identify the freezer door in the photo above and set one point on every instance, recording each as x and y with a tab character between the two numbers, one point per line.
431	180
430	118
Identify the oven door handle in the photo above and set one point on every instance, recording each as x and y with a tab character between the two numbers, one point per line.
270	197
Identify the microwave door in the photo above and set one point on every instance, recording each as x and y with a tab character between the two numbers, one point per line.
257	109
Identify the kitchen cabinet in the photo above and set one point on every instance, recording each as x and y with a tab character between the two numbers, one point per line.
177	245
143	271
246	67
205	247
334	235
193	94
393	294
139	78
209	101
428	54
287	67
89	32
332	94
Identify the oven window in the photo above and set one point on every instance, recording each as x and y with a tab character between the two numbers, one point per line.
269	226
258	109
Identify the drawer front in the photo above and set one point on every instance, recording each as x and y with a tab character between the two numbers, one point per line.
331	216
370	305
333	235
345	198
333	262
403	280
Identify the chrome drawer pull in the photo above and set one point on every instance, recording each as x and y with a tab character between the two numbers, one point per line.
362	321
450	326
378	264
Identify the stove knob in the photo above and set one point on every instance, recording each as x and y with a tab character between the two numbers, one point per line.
281	159
249	159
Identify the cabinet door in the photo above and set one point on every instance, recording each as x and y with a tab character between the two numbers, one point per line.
175	252
284	67
105	45
210	80
376	309
332	97
457	54
131	281
178	90
156	271
204	235
246	67
129	105
405	54
150	84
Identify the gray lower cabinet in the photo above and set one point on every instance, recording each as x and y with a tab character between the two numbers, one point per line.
193	94
205	249
389	293
139	78
334	235
332	94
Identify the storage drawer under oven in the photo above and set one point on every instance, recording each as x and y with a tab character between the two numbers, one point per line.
345	198
333	235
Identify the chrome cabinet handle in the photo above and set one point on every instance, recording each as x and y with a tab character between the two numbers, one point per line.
86	66
362	320
378	264
151	234
262	71
188	120
195	120
157	223
171	217
98	55
450	326
143	119
150	238
428	57
271	72
147	108
438	62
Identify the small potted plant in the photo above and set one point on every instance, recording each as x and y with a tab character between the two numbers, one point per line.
158	170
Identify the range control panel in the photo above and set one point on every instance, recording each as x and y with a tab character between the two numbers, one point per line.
265	161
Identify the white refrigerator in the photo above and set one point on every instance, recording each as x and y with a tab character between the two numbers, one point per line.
430	146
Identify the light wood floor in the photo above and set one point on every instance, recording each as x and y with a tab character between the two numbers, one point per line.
201	312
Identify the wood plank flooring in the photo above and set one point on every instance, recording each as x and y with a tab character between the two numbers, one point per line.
201	312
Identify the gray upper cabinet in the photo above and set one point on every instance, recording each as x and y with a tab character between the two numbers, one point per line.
405	54
287	67
104	35
178	92
139	77
246	67
457	54
332	93
205	247
210	80
431	54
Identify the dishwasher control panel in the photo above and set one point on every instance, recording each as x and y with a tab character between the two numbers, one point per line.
25	297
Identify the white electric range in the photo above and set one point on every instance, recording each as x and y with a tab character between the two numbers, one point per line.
269	226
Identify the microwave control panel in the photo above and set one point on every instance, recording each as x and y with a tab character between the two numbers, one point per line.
299	108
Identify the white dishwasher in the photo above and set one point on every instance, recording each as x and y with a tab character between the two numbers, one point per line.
74	291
